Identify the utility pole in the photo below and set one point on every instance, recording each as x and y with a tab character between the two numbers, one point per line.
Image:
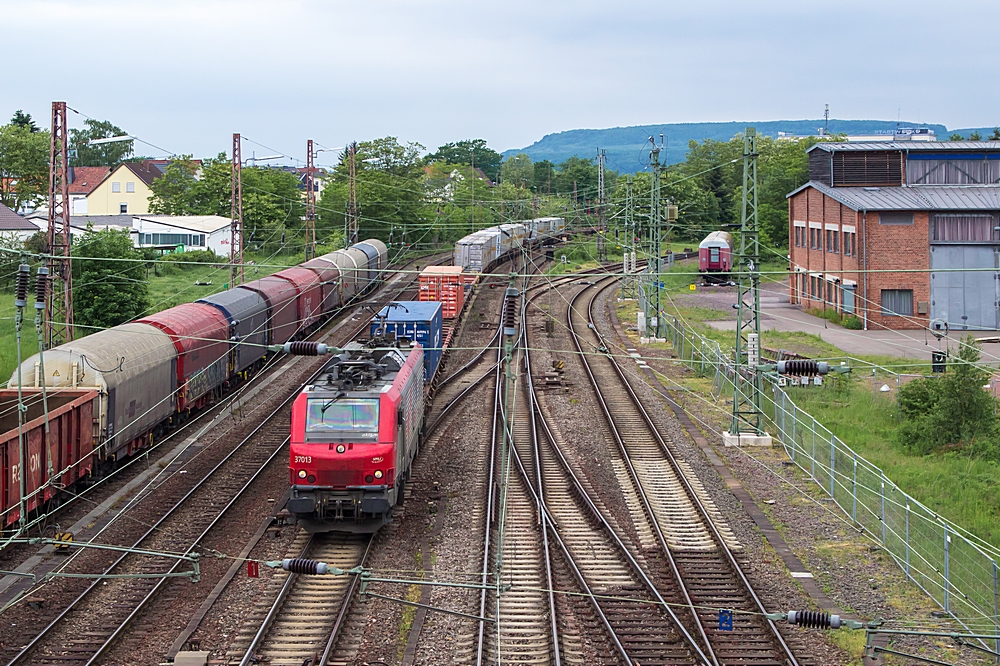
602	222
352	200
310	201
59	305
826	120
576	204
472	153
236	216
747	425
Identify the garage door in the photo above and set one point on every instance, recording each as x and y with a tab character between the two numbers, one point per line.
966	300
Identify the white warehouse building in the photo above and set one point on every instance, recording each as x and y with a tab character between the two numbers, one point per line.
194	232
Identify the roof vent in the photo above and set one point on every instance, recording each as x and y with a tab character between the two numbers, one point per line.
871	189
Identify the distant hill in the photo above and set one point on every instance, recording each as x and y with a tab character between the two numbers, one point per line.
626	151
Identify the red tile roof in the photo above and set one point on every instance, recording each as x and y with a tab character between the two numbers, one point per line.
85	179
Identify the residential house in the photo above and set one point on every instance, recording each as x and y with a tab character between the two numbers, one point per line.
82	181
125	190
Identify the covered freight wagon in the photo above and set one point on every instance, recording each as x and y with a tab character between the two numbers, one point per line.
282	310
419	322
246	311
310	297
200	334
329	276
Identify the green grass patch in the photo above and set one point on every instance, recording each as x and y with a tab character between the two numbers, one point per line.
963	489
8	339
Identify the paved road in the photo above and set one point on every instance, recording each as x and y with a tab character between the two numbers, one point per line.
779	315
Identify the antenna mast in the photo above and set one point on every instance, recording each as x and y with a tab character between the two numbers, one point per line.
59	304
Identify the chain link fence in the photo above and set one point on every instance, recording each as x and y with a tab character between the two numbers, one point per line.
956	569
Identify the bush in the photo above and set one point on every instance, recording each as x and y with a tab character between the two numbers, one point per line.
199	256
950	411
853	323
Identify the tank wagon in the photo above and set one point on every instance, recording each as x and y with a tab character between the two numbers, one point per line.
146	376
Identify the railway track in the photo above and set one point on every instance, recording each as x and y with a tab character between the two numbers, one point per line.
701	554
104	610
303	622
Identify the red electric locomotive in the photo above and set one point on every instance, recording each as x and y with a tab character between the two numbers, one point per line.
354	435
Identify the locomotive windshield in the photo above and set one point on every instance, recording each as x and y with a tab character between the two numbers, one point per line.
343	415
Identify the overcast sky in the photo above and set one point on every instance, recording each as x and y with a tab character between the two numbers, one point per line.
184	75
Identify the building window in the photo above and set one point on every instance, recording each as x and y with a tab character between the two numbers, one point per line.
798	236
897	302
895	218
963	229
832	241
130	187
123	208
848	243
116	187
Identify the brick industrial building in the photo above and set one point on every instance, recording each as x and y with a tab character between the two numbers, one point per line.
881	227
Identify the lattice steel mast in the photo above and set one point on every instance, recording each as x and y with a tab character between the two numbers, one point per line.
352	197
236	216
59	304
602	222
310	201
747	417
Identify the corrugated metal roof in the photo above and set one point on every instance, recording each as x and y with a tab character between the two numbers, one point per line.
204	223
911	146
923	197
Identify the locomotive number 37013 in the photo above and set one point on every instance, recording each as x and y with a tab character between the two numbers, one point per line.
303	459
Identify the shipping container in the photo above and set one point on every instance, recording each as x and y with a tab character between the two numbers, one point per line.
201	336
330	276
420	322
310	299
282	308
246	311
69	441
444	284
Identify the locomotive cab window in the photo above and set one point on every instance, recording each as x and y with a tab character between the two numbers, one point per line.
346	415
713	254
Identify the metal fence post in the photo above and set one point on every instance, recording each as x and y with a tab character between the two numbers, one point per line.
833	467
854	491
882	508
908	540
996	607
795	423
947	571
813	455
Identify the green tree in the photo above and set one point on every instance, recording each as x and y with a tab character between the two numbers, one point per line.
109	286
544	172
518	170
22	119
995	135
174	192
104	154
467	152
24	166
952	410
955	136
975	136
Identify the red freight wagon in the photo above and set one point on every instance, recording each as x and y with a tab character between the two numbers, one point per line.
69	442
200	334
282	309
330	275
309	286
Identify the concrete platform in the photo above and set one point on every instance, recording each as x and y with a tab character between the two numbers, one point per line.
746	439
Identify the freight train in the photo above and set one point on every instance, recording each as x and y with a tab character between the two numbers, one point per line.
480	251
356	430
715	256
114	392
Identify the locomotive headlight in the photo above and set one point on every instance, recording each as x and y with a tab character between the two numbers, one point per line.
378	474
341	448
302	474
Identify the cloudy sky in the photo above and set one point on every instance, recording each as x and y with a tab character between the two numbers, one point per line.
184	75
